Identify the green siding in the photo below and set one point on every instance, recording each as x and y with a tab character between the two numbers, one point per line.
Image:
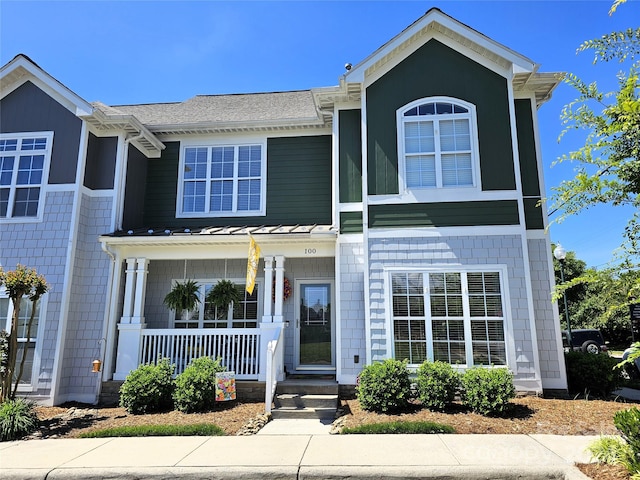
445	214
527	149
350	155
298	186
434	70
351	222
533	214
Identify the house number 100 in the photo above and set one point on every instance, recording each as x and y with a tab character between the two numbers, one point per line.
309	251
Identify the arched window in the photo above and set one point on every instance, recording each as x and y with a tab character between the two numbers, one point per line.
438	143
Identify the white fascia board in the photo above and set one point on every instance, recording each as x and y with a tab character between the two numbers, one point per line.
521	64
21	69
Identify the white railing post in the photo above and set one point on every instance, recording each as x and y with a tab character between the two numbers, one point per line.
274	368
267	315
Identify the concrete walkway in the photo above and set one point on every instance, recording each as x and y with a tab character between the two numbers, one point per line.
298	456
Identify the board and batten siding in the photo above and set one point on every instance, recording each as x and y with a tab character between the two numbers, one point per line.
437	70
528	165
444	214
298	186
100	171
350	155
29	109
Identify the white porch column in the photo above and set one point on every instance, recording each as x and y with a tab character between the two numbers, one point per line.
268	290
277	316
140	290
132	321
129	290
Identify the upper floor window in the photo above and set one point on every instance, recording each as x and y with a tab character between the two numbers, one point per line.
222	180
24	159
437	143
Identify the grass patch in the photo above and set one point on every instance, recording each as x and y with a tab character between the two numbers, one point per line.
200	429
400	428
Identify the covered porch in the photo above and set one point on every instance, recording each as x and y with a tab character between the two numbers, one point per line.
256	338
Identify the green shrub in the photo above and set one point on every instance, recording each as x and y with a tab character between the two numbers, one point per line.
437	384
628	423
199	429
611	450
592	375
148	388
400	428
196	386
17	419
384	386
487	390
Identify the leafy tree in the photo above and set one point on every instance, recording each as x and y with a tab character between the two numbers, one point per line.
608	165
19	283
576	292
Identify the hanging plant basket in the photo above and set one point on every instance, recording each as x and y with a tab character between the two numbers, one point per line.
223	294
183	296
286	290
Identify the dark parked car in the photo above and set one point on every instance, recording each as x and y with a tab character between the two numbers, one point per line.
586	340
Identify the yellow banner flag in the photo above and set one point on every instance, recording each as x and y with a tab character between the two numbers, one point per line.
252	264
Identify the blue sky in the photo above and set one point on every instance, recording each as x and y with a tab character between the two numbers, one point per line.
124	52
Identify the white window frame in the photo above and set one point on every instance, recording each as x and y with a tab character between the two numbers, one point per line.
468	340
13	186
30	384
203	283
234	212
428	193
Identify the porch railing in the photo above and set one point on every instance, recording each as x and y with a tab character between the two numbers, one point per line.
273	367
238	349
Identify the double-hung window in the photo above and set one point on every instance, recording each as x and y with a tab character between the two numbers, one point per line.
222	180
206	315
437	142
24	159
451	316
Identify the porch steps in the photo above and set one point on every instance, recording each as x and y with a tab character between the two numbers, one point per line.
305	398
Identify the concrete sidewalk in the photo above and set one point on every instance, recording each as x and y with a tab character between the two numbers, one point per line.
298	457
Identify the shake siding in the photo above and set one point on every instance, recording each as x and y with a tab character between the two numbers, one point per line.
43	246
29	109
424	252
546	325
89	296
437	70
298	186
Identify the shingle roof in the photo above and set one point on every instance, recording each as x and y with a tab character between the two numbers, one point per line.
274	107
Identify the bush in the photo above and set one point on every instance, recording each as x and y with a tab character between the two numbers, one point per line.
196	386
628	422
487	390
611	450
437	384
148	388
593	375
17	419
384	386
198	429
385	428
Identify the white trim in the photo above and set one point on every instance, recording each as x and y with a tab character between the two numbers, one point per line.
437	195
423	194
235	136
65	301
119	179
350	238
350	207
234	212
365	229
45	82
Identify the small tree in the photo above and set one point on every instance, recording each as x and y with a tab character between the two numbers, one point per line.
19	283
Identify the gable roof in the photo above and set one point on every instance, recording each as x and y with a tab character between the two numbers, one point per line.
436	24
228	113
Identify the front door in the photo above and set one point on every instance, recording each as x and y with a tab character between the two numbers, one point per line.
314	325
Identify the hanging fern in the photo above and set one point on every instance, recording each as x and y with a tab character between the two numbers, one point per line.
223	294
183	296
